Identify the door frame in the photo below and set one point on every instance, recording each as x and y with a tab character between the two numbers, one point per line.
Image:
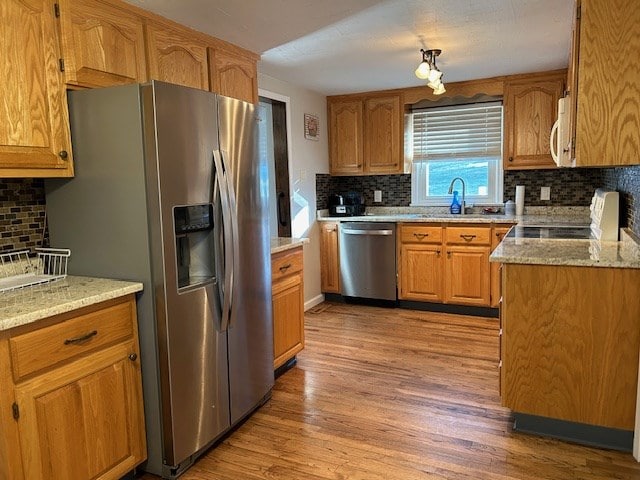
287	103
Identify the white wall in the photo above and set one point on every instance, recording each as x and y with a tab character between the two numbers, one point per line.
308	158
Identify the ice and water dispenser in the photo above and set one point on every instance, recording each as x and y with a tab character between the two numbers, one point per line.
194	235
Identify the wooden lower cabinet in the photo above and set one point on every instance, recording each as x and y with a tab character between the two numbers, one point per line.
288	305
570	343
329	258
81	415
497	234
467	275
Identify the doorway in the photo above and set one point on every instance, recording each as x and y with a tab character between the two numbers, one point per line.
275	146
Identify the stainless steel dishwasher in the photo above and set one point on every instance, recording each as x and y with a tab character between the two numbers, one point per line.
368	260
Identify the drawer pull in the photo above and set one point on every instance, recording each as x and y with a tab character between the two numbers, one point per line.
467	238
133	357
87	336
420	236
284	268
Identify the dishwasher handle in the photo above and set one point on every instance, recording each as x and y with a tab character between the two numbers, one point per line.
351	231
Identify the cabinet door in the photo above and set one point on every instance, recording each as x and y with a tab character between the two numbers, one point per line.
530	110
175	56
467	275
607	127
345	137
85	419
496	238
233	75
329	258
382	134
34	121
288	318
101	45
421	272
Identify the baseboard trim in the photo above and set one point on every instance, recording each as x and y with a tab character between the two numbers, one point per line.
313	302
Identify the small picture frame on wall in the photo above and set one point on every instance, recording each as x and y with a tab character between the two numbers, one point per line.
311	127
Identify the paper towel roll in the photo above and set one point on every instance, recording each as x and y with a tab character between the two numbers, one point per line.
519	199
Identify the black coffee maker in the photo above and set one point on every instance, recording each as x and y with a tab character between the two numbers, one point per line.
350	204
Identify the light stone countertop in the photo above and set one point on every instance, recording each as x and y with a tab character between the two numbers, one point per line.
586	253
29	304
282	244
532	216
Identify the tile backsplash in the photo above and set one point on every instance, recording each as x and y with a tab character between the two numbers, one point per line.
569	187
22	214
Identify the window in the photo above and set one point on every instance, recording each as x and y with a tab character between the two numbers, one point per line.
457	141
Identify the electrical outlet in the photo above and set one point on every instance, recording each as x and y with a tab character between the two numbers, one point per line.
377	196
545	193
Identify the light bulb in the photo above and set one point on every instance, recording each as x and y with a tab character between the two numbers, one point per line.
434	84
434	74
423	70
440	89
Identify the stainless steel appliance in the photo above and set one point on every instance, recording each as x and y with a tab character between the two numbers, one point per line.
368	260
169	191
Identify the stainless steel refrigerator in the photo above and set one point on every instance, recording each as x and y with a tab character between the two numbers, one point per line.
169	191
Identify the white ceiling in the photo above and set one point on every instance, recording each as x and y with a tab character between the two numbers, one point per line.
345	46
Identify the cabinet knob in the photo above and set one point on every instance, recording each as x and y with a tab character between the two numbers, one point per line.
511	159
133	357
63	154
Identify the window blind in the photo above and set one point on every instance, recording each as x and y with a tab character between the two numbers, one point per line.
464	131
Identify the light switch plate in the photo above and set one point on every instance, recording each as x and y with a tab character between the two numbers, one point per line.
377	195
545	193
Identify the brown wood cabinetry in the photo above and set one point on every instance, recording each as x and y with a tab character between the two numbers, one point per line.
288	305
497	234
566	359
77	392
34	121
530	110
102	44
233	74
447	264
604	83
421	263
176	56
365	135
329	258
467	277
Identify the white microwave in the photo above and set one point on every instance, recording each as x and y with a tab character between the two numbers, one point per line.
560	138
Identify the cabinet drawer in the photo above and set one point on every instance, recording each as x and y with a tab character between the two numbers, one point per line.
420	234
468	235
286	263
72	338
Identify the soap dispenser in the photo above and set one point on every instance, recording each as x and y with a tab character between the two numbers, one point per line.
456	207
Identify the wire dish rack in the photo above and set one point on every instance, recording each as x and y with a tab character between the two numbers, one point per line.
19	270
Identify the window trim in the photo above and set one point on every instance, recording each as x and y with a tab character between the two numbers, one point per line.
419	179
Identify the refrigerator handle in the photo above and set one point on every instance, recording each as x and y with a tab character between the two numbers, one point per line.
221	177
233	205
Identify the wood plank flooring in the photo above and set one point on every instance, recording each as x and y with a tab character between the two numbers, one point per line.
390	394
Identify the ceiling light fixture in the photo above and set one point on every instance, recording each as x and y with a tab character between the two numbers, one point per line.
428	70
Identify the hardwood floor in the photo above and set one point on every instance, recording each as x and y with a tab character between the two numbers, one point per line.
390	394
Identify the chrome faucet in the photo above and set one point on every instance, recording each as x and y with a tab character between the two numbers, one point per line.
463	192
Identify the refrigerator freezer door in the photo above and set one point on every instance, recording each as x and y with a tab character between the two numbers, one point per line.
195	406
250	333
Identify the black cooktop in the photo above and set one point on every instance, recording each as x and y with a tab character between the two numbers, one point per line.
551	232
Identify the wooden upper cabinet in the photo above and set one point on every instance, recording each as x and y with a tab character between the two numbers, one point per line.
345	137
383	132
102	45
530	110
606	68
34	121
233	75
176	56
